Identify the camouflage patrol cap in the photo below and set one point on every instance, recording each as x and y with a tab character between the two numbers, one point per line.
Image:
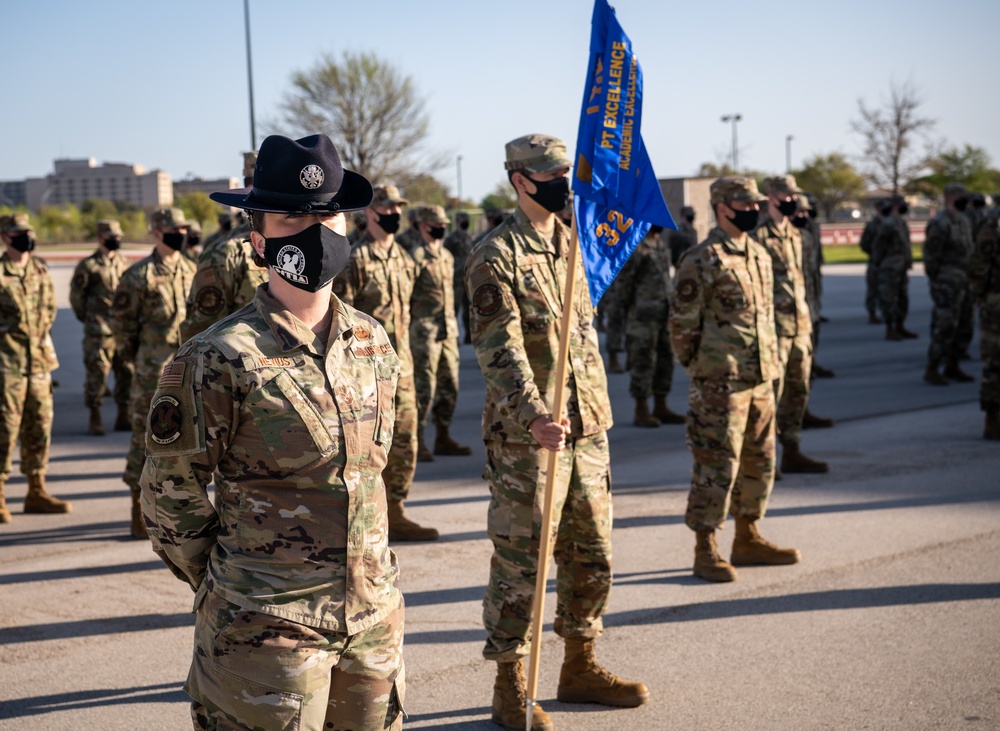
388	195
537	154
782	184
163	218
736	188
225	217
194	227
687	211
15	223
804	203
109	226
431	214
955	189
461	216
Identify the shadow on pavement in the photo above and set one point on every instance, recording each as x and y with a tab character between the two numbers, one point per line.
456	726
163	693
94	627
88	532
81	572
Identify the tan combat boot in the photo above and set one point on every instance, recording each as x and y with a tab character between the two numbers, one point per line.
749	549
423	453
991	431
934	378
793	461
122	422
4	512
583	679
662	412
708	564
510	700
96	426
642	416
811	421
445	446
138	527
38	499
613	365
953	373
402	529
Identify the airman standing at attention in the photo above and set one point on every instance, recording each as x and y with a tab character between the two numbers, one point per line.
793	322
516	278
146	316
459	243
684	237
192	242
871	271
221	234
410	238
984	284
27	359
722	330
91	292
434	335
892	257
379	282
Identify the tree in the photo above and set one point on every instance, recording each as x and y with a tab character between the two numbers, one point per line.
970	166
832	179
370	110
890	133
713	170
426	189
501	197
198	205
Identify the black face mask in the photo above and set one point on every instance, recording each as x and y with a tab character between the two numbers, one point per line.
961	204
193	240
800	221
113	244
436	232
309	259
745	220
689	219
552	195
23	242
813	213
174	240
787	208
388	222
464	225
904	209
979	205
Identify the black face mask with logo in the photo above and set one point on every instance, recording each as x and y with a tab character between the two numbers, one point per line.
552	195
23	242
309	259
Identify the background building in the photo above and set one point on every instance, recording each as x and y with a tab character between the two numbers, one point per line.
74	181
195	185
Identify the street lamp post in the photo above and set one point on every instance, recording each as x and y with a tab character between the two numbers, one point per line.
253	126
788	153
458	169
734	118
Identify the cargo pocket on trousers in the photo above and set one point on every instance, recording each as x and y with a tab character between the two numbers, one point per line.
242	701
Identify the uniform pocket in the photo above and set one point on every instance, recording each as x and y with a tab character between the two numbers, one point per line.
290	424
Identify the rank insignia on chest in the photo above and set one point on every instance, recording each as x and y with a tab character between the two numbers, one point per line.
361	332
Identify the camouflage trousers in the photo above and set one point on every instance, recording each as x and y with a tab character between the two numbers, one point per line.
99	360
256	671
27	414
651	358
951	319
402	459
791	390
144	383
582	541
730	432
871	288
615	316
893	289
435	375
989	347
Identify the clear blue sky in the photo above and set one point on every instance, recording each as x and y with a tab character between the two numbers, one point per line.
163	84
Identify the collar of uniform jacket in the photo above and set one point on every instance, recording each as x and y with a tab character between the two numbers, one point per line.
290	332
731	246
534	242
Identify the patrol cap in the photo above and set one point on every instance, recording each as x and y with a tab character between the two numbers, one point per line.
804	204
687	211
978	200
782	184
536	154
194	227
224	217
431	214
299	176
163	218
388	195
955	189
461	216
109	226
15	223
736	188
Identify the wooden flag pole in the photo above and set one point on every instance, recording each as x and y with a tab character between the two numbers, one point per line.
545	539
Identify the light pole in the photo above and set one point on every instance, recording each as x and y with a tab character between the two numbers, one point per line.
253	126
458	169
788	153
734	118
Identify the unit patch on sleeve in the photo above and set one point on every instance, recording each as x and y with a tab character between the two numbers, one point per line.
165	420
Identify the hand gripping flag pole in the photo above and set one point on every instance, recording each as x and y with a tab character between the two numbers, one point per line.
618	199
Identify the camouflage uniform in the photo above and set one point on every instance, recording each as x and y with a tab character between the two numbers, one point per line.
722	330
515	283
682	239
409	239
459	243
984	284
792	324
380	283
296	587
644	290
27	359
146	317
91	293
615	322
947	248
892	257
871	271
226	279
434	331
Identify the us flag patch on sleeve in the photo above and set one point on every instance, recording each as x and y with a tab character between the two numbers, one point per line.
172	376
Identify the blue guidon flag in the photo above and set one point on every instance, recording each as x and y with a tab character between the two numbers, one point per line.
617	196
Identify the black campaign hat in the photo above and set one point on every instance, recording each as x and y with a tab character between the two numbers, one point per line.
300	176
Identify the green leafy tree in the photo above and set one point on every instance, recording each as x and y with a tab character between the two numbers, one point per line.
59	224
502	197
426	189
832	179
968	165
199	206
370	110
